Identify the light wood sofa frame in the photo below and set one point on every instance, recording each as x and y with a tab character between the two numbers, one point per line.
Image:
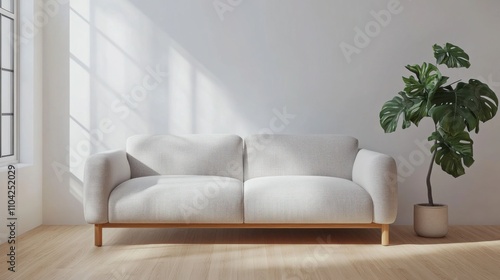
99	227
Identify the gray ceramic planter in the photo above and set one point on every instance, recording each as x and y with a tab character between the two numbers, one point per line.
430	221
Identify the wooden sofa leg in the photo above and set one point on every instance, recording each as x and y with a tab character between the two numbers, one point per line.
385	235
98	235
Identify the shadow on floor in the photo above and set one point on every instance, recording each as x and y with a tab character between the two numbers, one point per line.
400	235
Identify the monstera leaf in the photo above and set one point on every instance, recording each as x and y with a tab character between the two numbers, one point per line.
417	111
423	87
451	55
427	78
479	98
469	103
412	109
392	110
453	151
454	118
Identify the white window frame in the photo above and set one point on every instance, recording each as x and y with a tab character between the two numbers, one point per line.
10	159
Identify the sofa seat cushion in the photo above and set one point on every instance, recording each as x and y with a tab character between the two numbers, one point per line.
177	199
306	199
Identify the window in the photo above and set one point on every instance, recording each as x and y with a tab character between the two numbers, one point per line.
8	80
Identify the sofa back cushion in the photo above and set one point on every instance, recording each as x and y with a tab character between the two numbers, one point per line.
211	155
285	155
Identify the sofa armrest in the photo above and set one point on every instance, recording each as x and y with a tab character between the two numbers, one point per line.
377	174
103	172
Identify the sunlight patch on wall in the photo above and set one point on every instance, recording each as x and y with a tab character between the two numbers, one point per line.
79	118
212	107
76	188
82	7
79	37
128	76
181	96
196	101
127	28
123	61
79	87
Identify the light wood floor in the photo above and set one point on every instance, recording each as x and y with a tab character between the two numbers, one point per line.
67	252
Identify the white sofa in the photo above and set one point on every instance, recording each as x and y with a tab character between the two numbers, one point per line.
266	181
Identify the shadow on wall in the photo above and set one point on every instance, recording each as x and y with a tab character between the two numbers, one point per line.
128	76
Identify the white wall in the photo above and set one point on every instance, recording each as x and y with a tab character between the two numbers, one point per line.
29	168
228	72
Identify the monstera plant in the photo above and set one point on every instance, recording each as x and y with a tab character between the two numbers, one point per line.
456	108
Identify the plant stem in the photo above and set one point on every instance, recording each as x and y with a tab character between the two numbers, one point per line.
429	187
